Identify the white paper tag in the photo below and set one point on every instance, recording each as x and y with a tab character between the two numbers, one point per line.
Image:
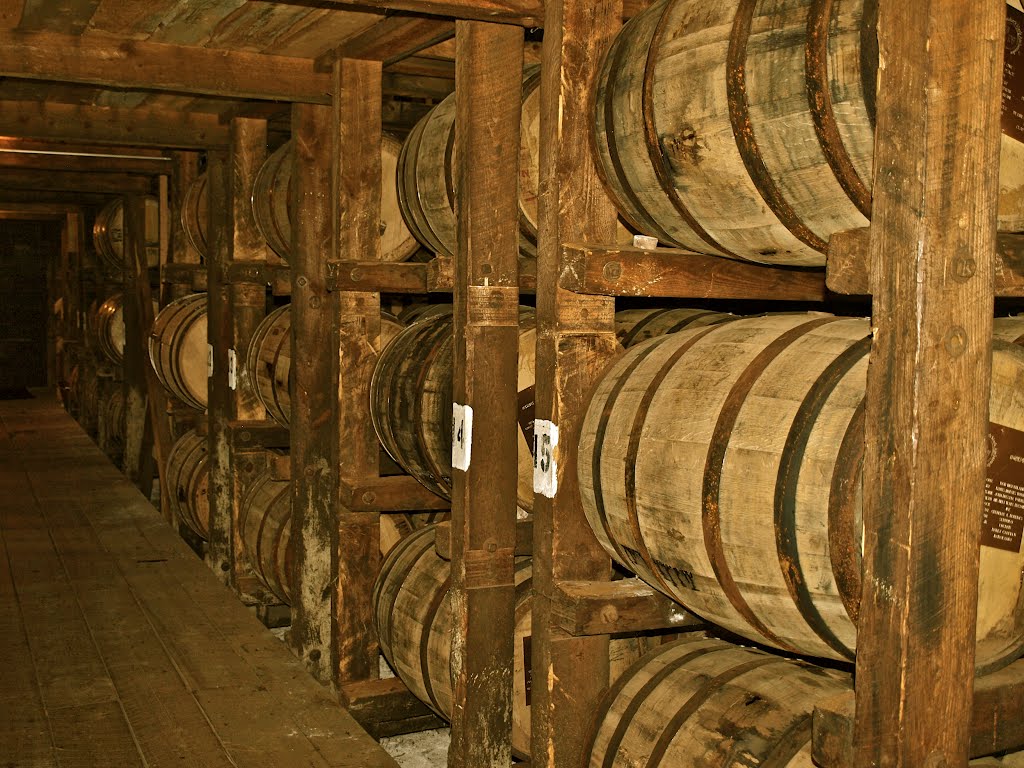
545	466
646	242
209	361
462	436
232	370
1016	4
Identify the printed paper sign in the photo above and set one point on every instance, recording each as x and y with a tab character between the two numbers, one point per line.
545	467
462	436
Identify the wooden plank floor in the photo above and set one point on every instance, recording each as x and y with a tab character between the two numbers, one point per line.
118	648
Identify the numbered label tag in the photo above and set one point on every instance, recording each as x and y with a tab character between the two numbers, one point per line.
209	361
232	369
545	467
462	436
646	242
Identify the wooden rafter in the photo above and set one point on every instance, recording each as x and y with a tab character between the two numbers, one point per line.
391	39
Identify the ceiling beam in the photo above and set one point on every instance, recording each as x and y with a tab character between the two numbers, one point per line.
29	145
390	40
71	181
19	196
22	160
140	65
109	125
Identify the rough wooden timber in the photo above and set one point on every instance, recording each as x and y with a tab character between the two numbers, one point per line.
847	268
414	615
119	646
750	515
736	128
616	607
75	181
395	493
932	245
700	701
82	163
390	40
377	276
142	126
575	340
670	272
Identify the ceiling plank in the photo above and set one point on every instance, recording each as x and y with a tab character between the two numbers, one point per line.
105	125
391	39
29	145
69	16
18	196
114	63
70	181
424	66
27	161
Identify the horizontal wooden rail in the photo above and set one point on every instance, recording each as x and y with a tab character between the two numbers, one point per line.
400	493
377	276
996	722
523	546
253	435
670	272
847	270
585	608
192	275
387	708
441	275
278	276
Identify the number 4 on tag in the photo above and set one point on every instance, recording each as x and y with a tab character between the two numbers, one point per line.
462	436
545	467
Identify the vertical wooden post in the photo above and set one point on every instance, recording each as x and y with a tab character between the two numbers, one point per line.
488	82
932	245
221	494
137	460
314	505
247	308
184	170
355	342
575	340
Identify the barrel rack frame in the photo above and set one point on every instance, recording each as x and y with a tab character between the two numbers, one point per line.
931	311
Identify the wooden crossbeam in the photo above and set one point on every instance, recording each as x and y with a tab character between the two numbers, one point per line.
111	125
71	181
390	40
30	145
34	161
585	608
116	63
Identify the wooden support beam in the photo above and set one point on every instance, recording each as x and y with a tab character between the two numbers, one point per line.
36	161
247	305
377	276
191	277
390	40
220	548
387	708
398	493
931	248
8	196
354	330
109	125
49	210
180	275
314	474
424	66
486	360
258	435
523	546
584	608
670	272
261	273
847	267
73	181
575	340
995	723
441	275
124	152
143	65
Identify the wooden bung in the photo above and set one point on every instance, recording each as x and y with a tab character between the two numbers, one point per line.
747	129
178	349
272	211
108	233
270	360
411	402
723	466
412	615
265	520
187	479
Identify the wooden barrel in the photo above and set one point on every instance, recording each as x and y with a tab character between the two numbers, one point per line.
271	204
187	482
411	402
108	327
269	360
426	174
178	349
195	213
723	465
635	325
112	414
746	129
412	615
700	702
265	522
108	233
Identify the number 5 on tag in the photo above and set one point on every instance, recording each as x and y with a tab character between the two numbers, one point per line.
545	467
